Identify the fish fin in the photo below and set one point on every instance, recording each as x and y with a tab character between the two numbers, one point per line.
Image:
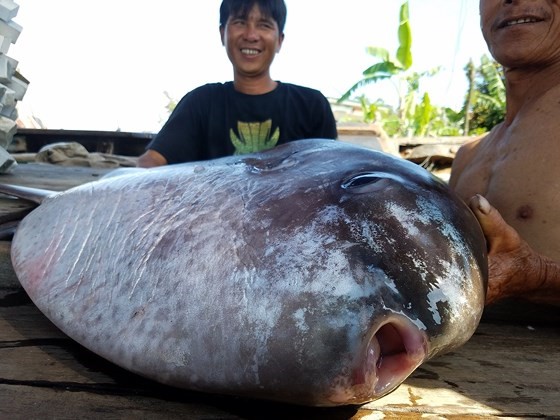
34	195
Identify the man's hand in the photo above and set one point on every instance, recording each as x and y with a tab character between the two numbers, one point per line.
515	270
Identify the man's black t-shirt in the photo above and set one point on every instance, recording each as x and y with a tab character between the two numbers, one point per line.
215	120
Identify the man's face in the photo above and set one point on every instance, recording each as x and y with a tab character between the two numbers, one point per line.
521	32
251	42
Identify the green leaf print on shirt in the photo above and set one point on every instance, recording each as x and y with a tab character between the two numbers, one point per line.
254	137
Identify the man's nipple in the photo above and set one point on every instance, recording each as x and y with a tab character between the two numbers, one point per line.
525	212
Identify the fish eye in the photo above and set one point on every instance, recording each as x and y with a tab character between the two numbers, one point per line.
368	182
360	180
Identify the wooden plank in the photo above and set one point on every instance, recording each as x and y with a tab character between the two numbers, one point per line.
8	277
50	403
504	370
51	177
405	142
14	209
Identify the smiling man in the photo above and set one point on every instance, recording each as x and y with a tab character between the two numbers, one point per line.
253	112
516	166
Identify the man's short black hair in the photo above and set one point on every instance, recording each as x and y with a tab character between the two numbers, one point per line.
241	8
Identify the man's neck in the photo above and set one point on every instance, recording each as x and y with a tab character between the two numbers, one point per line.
525	86
254	86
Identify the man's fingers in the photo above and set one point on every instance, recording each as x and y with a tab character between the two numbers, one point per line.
480	204
484	212
500	236
489	219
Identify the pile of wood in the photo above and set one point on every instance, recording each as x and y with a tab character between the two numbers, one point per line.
12	84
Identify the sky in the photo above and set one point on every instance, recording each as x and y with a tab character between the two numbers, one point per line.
108	64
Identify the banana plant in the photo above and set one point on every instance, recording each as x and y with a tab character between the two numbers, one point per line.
387	65
413	114
488	102
495	84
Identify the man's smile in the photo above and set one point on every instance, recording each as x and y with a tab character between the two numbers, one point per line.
509	22
520	21
250	51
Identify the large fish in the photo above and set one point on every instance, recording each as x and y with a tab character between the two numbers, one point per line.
316	273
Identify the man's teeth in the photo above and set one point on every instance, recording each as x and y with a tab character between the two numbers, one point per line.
521	21
249	52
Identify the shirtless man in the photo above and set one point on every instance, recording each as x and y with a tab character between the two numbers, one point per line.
516	167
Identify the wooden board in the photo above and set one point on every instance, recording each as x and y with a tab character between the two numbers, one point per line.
51	177
13	209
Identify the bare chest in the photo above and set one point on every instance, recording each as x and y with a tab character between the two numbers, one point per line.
519	173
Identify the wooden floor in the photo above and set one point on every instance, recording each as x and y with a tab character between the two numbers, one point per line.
509	369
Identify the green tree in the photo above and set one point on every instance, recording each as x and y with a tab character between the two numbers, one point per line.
414	114
387	66
489	98
470	70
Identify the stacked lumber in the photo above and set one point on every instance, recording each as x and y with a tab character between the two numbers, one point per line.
12	84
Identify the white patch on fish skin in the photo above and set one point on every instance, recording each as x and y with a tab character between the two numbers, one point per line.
375	236
434	297
299	318
421	326
449	287
407	218
332	261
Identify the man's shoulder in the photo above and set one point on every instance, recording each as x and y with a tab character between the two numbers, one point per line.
205	94
470	147
299	88
303	94
210	88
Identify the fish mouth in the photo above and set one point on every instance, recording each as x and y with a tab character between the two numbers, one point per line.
392	353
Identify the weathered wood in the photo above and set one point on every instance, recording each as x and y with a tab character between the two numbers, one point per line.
13	209
8	277
51	403
51	177
405	142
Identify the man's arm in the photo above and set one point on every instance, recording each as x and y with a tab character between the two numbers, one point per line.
150	159
328	126
515	269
